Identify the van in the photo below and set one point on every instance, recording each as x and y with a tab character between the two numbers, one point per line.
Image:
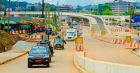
71	34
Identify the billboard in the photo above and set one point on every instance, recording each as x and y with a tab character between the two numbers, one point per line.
7	9
137	15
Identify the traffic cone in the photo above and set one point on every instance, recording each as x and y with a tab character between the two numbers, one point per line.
80	48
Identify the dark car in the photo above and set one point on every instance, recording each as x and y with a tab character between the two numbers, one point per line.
48	50
38	55
59	43
46	43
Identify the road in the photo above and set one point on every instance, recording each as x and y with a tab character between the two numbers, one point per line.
62	62
114	53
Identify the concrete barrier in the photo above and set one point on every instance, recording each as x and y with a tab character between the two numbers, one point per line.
93	66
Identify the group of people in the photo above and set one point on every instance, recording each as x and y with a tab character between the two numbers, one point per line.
38	29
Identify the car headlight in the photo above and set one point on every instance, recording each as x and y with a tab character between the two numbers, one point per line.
46	56
30	56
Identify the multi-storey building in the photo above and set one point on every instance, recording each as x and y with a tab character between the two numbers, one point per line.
64	8
119	6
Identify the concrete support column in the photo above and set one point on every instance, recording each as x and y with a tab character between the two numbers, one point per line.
108	22
65	20
83	21
111	21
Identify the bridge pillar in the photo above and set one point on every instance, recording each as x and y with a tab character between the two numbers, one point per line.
108	22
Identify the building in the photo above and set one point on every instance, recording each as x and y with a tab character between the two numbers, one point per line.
119	6
135	4
64	8
36	5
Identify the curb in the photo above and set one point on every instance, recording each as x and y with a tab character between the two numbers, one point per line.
135	53
8	60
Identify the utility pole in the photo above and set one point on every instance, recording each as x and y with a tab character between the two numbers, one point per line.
0	14
9	16
49	16
46	18
4	15
58	19
43	9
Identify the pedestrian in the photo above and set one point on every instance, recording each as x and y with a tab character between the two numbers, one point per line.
138	34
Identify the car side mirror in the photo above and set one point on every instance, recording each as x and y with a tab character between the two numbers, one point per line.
28	53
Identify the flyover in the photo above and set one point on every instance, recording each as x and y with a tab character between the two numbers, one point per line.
94	21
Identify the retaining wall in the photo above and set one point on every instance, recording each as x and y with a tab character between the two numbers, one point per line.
93	66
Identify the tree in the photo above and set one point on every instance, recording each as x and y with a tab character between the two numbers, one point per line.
107	12
40	8
95	12
91	9
33	8
83	11
104	7
121	14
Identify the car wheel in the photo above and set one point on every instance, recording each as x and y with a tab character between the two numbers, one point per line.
63	47
29	65
50	59
48	64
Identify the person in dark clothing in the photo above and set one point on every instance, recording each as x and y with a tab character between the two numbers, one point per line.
138	34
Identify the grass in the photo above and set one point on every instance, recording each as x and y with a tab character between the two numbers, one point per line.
137	29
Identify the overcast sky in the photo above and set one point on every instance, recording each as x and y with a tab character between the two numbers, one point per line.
74	2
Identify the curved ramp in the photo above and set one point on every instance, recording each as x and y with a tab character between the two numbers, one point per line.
99	23
96	29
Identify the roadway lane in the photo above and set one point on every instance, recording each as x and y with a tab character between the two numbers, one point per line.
62	62
101	51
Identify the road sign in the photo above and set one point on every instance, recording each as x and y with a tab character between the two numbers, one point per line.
128	38
103	33
79	40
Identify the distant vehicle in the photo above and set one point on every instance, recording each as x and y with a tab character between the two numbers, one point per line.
59	43
38	55
79	32
46	43
71	34
71	26
80	28
75	27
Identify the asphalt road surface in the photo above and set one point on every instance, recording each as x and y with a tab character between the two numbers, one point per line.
114	53
62	62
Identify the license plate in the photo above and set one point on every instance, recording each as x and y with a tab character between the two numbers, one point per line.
38	61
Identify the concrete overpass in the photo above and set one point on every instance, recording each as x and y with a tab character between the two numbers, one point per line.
95	21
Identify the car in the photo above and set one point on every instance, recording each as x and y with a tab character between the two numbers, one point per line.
59	43
48	50
38	55
46	43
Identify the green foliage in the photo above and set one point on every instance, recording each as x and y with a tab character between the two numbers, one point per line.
129	12
0	33
104	7
95	12
121	14
107	12
33	8
40	8
91	9
83	11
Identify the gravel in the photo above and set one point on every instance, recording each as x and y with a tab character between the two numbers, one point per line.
24	44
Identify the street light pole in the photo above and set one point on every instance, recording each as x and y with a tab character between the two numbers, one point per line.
9	16
4	15
43	9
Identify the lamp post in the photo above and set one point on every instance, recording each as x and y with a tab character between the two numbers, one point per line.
43	9
4	15
9	16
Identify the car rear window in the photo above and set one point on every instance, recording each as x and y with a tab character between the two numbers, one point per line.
58	41
38	51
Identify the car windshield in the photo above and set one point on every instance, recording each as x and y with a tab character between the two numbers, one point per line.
70	34
38	51
58	41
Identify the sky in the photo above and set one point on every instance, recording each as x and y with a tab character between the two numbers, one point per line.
74	2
